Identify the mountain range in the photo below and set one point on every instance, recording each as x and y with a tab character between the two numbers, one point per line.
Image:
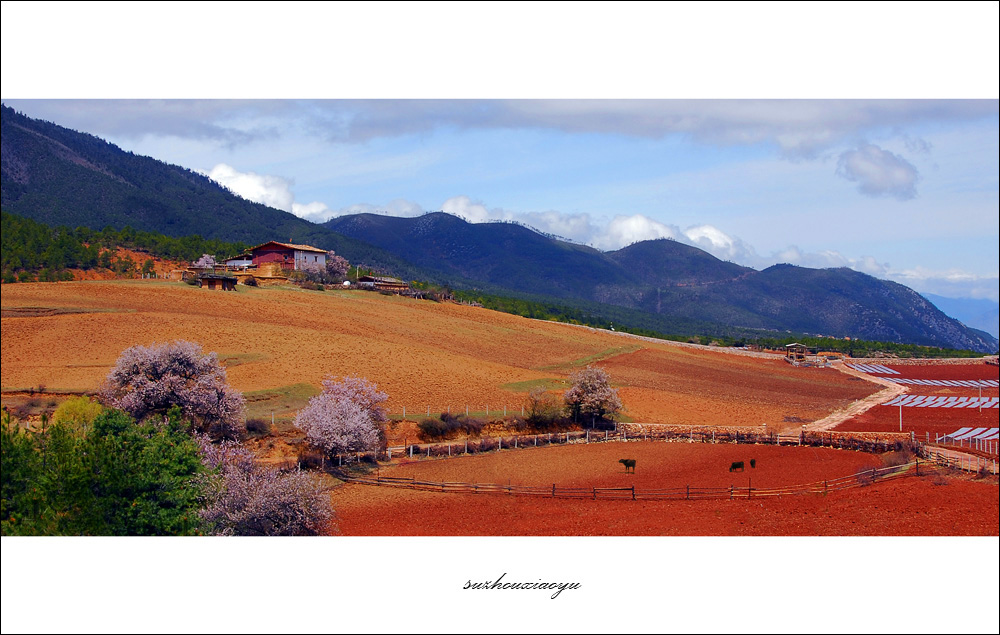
62	177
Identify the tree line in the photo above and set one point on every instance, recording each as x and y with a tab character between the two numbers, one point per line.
635	323
33	252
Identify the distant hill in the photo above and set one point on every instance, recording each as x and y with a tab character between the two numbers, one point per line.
666	279
57	176
983	315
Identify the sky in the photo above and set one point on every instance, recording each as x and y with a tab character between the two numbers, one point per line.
902	188
822	134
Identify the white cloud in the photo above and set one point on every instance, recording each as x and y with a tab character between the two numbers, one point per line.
625	230
463	207
952	283
718	243
879	172
270	190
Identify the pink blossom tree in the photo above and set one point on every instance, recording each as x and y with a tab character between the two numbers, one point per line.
149	380
348	416
591	395
336	266
244	498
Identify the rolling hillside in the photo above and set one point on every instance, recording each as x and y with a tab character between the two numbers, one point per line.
58	176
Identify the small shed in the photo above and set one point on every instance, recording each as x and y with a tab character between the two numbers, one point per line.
382	283
796	352
217	281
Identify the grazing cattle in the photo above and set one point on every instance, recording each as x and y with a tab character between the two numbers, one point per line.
737	466
628	463
753	463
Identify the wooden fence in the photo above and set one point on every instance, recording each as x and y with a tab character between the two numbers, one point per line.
960	461
688	492
884	442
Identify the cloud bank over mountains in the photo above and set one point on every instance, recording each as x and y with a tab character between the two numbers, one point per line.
621	231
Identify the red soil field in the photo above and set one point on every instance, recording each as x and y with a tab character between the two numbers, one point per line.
926	505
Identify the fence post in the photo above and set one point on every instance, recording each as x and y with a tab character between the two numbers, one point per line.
595	493
553	490
633	492
466	446
687	492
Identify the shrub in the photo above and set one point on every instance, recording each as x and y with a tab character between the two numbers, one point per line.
258	427
250	281
78	413
433	429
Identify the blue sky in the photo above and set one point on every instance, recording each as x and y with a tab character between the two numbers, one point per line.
903	188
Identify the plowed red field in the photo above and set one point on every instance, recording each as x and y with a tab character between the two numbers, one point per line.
929	505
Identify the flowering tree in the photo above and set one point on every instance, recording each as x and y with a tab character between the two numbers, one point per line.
591	395
336	266
348	416
246	499
148	380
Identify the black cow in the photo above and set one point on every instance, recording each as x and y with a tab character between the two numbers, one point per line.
737	466
753	463
628	463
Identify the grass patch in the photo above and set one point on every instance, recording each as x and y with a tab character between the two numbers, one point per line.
590	359
528	386
230	360
282	401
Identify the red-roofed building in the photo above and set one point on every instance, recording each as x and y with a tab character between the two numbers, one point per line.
289	255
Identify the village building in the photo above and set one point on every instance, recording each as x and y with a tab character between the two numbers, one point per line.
381	283
217	281
289	256
240	262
